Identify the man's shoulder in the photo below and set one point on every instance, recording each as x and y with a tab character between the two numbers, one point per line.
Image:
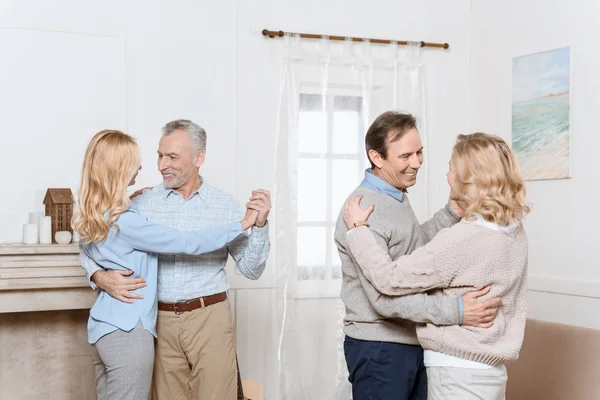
369	196
152	191
211	193
381	201
149	194
219	196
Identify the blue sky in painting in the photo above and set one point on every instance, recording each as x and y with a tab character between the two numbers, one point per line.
540	74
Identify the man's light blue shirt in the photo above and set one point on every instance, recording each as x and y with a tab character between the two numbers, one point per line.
377	184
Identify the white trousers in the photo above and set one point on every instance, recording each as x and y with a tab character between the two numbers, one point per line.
451	383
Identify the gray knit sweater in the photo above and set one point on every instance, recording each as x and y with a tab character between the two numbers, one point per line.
371	315
466	257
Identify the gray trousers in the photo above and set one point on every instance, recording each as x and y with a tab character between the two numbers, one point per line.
124	362
448	383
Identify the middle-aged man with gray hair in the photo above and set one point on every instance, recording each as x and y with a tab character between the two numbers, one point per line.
195	351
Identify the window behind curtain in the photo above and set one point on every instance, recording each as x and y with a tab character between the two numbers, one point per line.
331	163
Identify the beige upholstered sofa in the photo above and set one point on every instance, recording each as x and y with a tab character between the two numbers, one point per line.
557	362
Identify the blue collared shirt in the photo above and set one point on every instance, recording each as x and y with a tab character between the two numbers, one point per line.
183	277
374	182
132	247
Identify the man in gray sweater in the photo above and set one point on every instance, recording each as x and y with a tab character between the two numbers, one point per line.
384	358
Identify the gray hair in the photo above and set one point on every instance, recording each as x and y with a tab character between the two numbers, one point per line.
196	133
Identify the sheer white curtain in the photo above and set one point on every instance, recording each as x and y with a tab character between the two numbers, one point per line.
330	94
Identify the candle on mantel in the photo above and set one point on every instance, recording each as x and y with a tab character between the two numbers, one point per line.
30	234
36	217
46	230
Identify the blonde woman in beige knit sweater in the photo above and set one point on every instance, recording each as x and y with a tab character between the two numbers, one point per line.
489	247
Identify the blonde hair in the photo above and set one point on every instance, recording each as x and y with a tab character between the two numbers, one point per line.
489	179
111	160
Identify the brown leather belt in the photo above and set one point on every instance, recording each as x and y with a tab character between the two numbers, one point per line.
193	304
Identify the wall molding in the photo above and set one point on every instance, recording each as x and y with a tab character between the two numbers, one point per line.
569	287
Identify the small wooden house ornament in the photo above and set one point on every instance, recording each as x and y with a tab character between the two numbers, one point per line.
59	206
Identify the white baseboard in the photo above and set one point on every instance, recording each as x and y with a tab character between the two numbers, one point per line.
569	287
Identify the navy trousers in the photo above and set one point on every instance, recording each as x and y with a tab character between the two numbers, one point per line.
385	371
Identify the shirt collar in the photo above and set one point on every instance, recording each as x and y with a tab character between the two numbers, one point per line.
510	228
374	182
201	192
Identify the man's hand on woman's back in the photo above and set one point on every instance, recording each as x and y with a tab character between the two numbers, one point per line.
479	313
118	284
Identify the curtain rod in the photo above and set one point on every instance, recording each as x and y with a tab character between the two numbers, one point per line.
274	34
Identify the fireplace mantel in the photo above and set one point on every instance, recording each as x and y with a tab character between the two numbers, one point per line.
41	278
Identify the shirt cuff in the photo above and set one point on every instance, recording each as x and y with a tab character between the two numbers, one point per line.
91	282
261	232
460	310
90	269
451	211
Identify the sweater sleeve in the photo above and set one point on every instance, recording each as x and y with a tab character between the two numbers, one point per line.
421	308
417	272
444	218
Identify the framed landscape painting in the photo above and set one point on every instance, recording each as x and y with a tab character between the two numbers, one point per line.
541	136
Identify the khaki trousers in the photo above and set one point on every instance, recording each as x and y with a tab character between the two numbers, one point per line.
449	383
195	355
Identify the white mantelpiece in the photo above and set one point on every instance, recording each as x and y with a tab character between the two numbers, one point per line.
41	278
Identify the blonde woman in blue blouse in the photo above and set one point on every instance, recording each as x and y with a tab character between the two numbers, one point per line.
115	236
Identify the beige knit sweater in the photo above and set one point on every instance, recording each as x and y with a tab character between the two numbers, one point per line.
463	258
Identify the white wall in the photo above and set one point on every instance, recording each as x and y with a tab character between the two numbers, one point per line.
70	69
564	273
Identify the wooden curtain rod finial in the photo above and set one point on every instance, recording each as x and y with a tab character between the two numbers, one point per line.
274	34
440	45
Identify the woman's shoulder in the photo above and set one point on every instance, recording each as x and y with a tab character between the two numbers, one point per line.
128	219
464	230
479	235
455	235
